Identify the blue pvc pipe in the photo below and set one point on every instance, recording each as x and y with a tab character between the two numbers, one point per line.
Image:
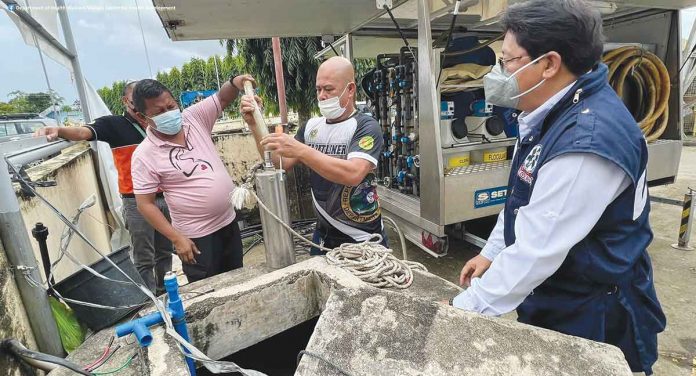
176	307
141	327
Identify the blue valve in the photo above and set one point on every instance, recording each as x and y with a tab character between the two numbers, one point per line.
409	162
405	139
401	176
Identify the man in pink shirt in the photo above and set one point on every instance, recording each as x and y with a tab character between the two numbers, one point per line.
178	157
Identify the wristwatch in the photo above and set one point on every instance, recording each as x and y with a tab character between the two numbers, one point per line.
235	86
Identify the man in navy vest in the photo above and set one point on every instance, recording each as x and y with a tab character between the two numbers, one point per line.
569	251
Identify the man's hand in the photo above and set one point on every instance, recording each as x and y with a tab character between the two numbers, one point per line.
472	269
247	108
51	133
185	249
284	145
238	81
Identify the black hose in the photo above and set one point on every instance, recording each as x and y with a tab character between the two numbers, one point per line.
398	28
35	358
449	40
476	48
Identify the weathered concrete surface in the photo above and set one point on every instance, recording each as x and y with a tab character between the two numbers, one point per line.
13	320
367	332
398	329
235	310
74	174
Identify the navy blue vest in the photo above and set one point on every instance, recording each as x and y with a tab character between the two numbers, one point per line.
604	289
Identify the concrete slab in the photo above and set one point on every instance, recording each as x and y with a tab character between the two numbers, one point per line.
674	272
368	332
236	310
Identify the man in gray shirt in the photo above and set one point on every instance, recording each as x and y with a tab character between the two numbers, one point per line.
342	149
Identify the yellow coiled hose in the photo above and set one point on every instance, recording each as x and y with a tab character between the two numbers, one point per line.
652	83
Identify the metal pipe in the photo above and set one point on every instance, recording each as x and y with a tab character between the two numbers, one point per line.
13	232
280	80
77	70
25	156
687	220
278	242
38	28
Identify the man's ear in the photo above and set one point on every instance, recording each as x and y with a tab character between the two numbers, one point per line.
142	118
553	63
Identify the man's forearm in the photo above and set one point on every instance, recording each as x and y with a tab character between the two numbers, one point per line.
75	133
335	170
153	215
227	94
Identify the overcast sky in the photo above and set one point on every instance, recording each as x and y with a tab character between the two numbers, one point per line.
111	49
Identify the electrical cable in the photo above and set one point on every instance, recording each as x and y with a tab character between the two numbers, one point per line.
104	354
37	359
121	367
398	28
449	40
105	360
194	353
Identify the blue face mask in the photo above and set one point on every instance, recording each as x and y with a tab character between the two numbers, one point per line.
168	123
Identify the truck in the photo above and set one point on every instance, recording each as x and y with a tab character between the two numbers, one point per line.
441	174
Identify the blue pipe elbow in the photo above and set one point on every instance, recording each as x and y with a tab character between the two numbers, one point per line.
140	328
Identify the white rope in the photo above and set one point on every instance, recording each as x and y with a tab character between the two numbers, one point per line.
370	261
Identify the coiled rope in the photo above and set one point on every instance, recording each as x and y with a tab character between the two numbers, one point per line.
370	261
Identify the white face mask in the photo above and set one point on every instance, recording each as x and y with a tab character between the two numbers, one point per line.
331	108
501	88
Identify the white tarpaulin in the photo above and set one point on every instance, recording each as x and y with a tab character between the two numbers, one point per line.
36	40
107	170
46	14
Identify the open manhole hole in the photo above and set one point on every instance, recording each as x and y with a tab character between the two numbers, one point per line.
274	356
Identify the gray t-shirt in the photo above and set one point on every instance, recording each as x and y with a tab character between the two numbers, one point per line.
354	211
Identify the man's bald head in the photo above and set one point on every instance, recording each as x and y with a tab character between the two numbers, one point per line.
338	67
336	78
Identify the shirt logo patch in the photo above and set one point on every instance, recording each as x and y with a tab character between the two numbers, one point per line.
361	204
526	170
366	143
313	133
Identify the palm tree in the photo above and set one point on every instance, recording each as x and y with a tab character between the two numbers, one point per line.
299	70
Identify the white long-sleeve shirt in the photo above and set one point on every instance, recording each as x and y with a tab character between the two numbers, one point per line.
571	193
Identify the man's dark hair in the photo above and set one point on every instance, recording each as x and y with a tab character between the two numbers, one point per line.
147	89
128	86
570	27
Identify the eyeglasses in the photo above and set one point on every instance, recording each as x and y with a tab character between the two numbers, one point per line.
502	62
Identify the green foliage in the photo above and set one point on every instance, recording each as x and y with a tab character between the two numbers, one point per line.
197	74
30	102
299	71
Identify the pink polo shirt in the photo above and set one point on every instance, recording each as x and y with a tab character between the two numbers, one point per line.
194	180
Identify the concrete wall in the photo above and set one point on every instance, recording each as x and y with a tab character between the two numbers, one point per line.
238	152
13	320
74	174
